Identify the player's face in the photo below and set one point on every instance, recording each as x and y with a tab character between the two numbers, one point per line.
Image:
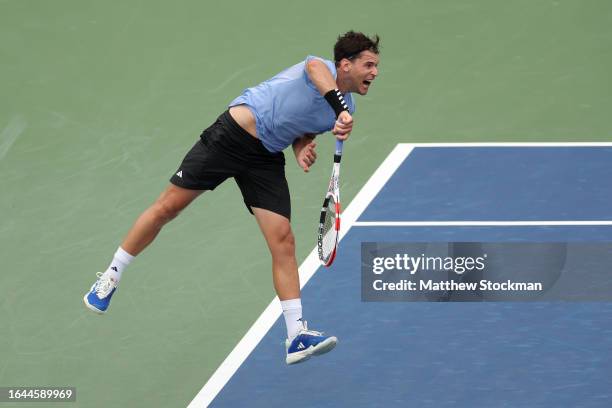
364	69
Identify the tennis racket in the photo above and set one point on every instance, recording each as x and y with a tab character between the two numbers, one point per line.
329	221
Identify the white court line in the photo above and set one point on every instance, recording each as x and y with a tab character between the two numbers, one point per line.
266	320
477	223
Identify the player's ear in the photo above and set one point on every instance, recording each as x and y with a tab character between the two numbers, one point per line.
345	64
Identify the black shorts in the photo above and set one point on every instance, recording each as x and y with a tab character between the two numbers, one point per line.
227	150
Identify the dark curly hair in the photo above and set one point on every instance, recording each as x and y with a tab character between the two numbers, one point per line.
350	44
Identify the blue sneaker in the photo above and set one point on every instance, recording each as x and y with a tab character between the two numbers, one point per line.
98	298
308	343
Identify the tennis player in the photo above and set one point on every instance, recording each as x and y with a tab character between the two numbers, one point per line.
246	142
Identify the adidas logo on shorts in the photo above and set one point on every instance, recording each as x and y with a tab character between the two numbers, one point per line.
180	174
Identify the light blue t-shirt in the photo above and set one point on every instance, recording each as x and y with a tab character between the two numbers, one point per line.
288	106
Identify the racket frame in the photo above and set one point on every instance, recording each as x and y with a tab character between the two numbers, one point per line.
333	193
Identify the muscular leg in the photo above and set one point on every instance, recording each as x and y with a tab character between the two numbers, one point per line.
277	232
169	204
145	229
300	343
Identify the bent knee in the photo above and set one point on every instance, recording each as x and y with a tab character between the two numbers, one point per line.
283	243
288	239
165	211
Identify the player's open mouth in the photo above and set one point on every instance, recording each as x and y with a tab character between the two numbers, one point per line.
367	83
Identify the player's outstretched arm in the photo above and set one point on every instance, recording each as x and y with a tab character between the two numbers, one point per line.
304	150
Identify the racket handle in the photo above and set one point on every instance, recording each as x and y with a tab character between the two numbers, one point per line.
339	147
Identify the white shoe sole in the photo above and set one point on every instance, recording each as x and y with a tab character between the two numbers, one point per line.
321	348
91	307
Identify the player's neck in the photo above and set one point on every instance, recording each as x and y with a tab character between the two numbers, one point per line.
343	84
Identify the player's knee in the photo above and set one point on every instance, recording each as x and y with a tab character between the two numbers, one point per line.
284	242
164	211
288	243
289	240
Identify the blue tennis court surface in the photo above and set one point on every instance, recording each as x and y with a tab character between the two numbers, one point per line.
451	354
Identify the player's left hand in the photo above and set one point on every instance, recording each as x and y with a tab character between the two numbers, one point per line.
307	156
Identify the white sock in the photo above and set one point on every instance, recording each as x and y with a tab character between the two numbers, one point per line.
292	311
120	261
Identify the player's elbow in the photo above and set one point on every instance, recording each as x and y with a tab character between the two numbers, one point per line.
313	66
310	65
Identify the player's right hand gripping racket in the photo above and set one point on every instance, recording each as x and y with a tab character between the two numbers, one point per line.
329	222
